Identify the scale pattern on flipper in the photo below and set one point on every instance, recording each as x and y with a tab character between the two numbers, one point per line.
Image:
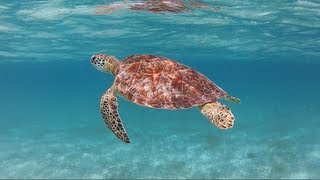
109	112
218	114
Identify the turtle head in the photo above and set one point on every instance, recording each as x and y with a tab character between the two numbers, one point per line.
104	62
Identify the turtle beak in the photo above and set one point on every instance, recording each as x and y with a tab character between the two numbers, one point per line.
96	62
93	59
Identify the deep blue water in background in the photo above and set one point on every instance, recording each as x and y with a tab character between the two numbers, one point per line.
266	53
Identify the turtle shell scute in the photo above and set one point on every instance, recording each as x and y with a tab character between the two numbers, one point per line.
160	82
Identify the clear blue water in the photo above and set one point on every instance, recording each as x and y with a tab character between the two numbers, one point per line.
265	52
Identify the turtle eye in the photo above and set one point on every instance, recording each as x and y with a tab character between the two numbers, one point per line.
93	59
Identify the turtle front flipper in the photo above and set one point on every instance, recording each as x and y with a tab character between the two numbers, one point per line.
109	111
218	114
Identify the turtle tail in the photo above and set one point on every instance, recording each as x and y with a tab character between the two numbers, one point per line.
231	99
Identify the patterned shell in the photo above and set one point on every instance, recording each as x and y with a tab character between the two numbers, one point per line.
159	82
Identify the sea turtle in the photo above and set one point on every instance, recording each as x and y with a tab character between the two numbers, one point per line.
159	82
154	6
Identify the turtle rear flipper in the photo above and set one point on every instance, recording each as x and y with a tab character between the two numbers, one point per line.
218	114
109	112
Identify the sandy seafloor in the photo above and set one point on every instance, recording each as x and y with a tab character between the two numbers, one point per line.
265	53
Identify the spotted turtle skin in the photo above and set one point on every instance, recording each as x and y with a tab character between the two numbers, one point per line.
159	82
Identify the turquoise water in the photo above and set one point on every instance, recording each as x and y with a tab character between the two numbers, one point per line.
266	53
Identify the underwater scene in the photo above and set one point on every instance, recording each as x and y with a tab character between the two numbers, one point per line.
266	53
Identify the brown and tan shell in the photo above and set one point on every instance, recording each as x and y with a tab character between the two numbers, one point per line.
159	82
175	6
